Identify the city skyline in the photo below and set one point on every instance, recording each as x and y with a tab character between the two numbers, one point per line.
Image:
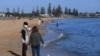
28	5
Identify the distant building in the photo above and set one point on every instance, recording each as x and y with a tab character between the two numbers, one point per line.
44	15
92	14
2	14
97	14
84	14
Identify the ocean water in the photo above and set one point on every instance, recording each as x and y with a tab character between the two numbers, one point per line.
81	35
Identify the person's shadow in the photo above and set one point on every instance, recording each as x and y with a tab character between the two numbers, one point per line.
13	53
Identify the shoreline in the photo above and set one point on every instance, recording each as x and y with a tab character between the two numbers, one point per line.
10	35
51	37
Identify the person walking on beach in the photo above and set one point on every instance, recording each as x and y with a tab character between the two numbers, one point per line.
25	39
39	21
57	24
42	21
35	40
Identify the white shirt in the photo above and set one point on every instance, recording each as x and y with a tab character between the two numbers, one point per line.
26	37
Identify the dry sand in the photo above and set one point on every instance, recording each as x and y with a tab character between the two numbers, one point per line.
10	36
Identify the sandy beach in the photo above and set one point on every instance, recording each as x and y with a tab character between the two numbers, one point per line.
10	37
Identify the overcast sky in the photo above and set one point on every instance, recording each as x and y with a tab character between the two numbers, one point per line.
28	5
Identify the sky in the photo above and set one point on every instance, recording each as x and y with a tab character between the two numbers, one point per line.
28	5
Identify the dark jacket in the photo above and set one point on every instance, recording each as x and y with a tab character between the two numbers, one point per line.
23	32
35	39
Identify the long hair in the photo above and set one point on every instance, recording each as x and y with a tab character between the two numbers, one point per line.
34	29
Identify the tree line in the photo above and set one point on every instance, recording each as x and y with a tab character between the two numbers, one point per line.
51	11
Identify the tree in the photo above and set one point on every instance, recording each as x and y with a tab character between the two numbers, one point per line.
13	13
33	12
53	11
18	10
75	12
69	11
66	10
7	12
37	12
97	12
58	11
22	13
42	10
14	10
49	9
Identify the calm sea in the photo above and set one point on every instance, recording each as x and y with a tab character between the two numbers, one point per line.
82	35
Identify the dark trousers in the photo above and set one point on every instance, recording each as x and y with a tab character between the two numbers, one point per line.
35	50
24	49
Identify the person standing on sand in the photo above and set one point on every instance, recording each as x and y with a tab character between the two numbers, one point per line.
25	38
35	40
